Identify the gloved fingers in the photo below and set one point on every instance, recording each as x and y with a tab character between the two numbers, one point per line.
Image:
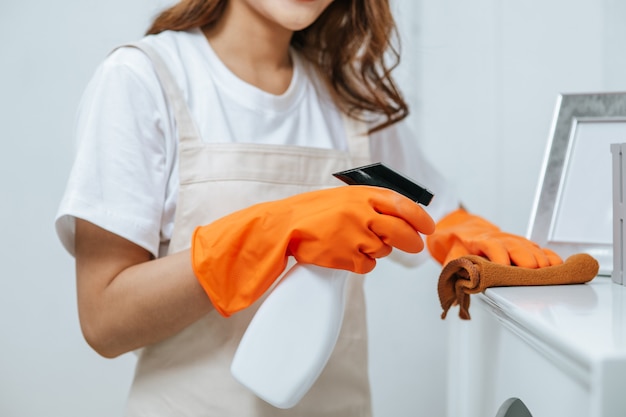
507	249
396	232
541	257
457	250
527	256
493	249
360	263
391	203
350	245
377	252
353	260
525	253
553	258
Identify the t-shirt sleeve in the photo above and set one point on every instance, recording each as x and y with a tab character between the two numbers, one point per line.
398	148
120	173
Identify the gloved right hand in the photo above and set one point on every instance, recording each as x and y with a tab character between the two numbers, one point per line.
238	257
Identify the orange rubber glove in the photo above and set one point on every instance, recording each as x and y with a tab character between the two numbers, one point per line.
238	257
461	233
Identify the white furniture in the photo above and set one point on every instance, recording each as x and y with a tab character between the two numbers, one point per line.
560	349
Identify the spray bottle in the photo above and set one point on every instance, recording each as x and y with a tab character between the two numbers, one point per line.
293	333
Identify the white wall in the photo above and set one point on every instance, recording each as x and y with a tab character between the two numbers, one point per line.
482	77
490	77
48	52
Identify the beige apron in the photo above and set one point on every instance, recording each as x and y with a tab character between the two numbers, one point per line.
189	373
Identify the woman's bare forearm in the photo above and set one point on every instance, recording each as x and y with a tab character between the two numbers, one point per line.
127	300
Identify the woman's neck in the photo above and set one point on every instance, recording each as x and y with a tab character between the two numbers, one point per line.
254	49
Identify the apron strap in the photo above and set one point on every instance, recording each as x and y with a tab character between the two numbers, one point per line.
358	140
187	130
356	130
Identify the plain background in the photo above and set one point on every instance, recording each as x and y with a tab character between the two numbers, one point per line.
482	77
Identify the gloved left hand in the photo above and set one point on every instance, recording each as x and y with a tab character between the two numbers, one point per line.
461	233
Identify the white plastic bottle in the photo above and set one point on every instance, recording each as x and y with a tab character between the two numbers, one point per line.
290	338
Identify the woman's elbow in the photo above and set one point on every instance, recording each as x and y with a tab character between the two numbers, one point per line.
103	342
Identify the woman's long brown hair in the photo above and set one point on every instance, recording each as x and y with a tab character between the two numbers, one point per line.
351	44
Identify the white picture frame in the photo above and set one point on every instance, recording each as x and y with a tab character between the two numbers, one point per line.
573	206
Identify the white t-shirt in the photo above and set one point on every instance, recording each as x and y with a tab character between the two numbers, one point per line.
125	175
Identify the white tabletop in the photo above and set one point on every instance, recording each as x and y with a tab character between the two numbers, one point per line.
585	322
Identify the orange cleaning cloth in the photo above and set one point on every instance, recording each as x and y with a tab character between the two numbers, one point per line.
473	274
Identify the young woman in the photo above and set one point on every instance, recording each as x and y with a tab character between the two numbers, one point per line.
204	166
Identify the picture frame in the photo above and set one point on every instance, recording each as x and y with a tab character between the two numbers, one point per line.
573	207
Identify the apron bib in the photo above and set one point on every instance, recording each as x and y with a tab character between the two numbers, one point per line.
188	374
